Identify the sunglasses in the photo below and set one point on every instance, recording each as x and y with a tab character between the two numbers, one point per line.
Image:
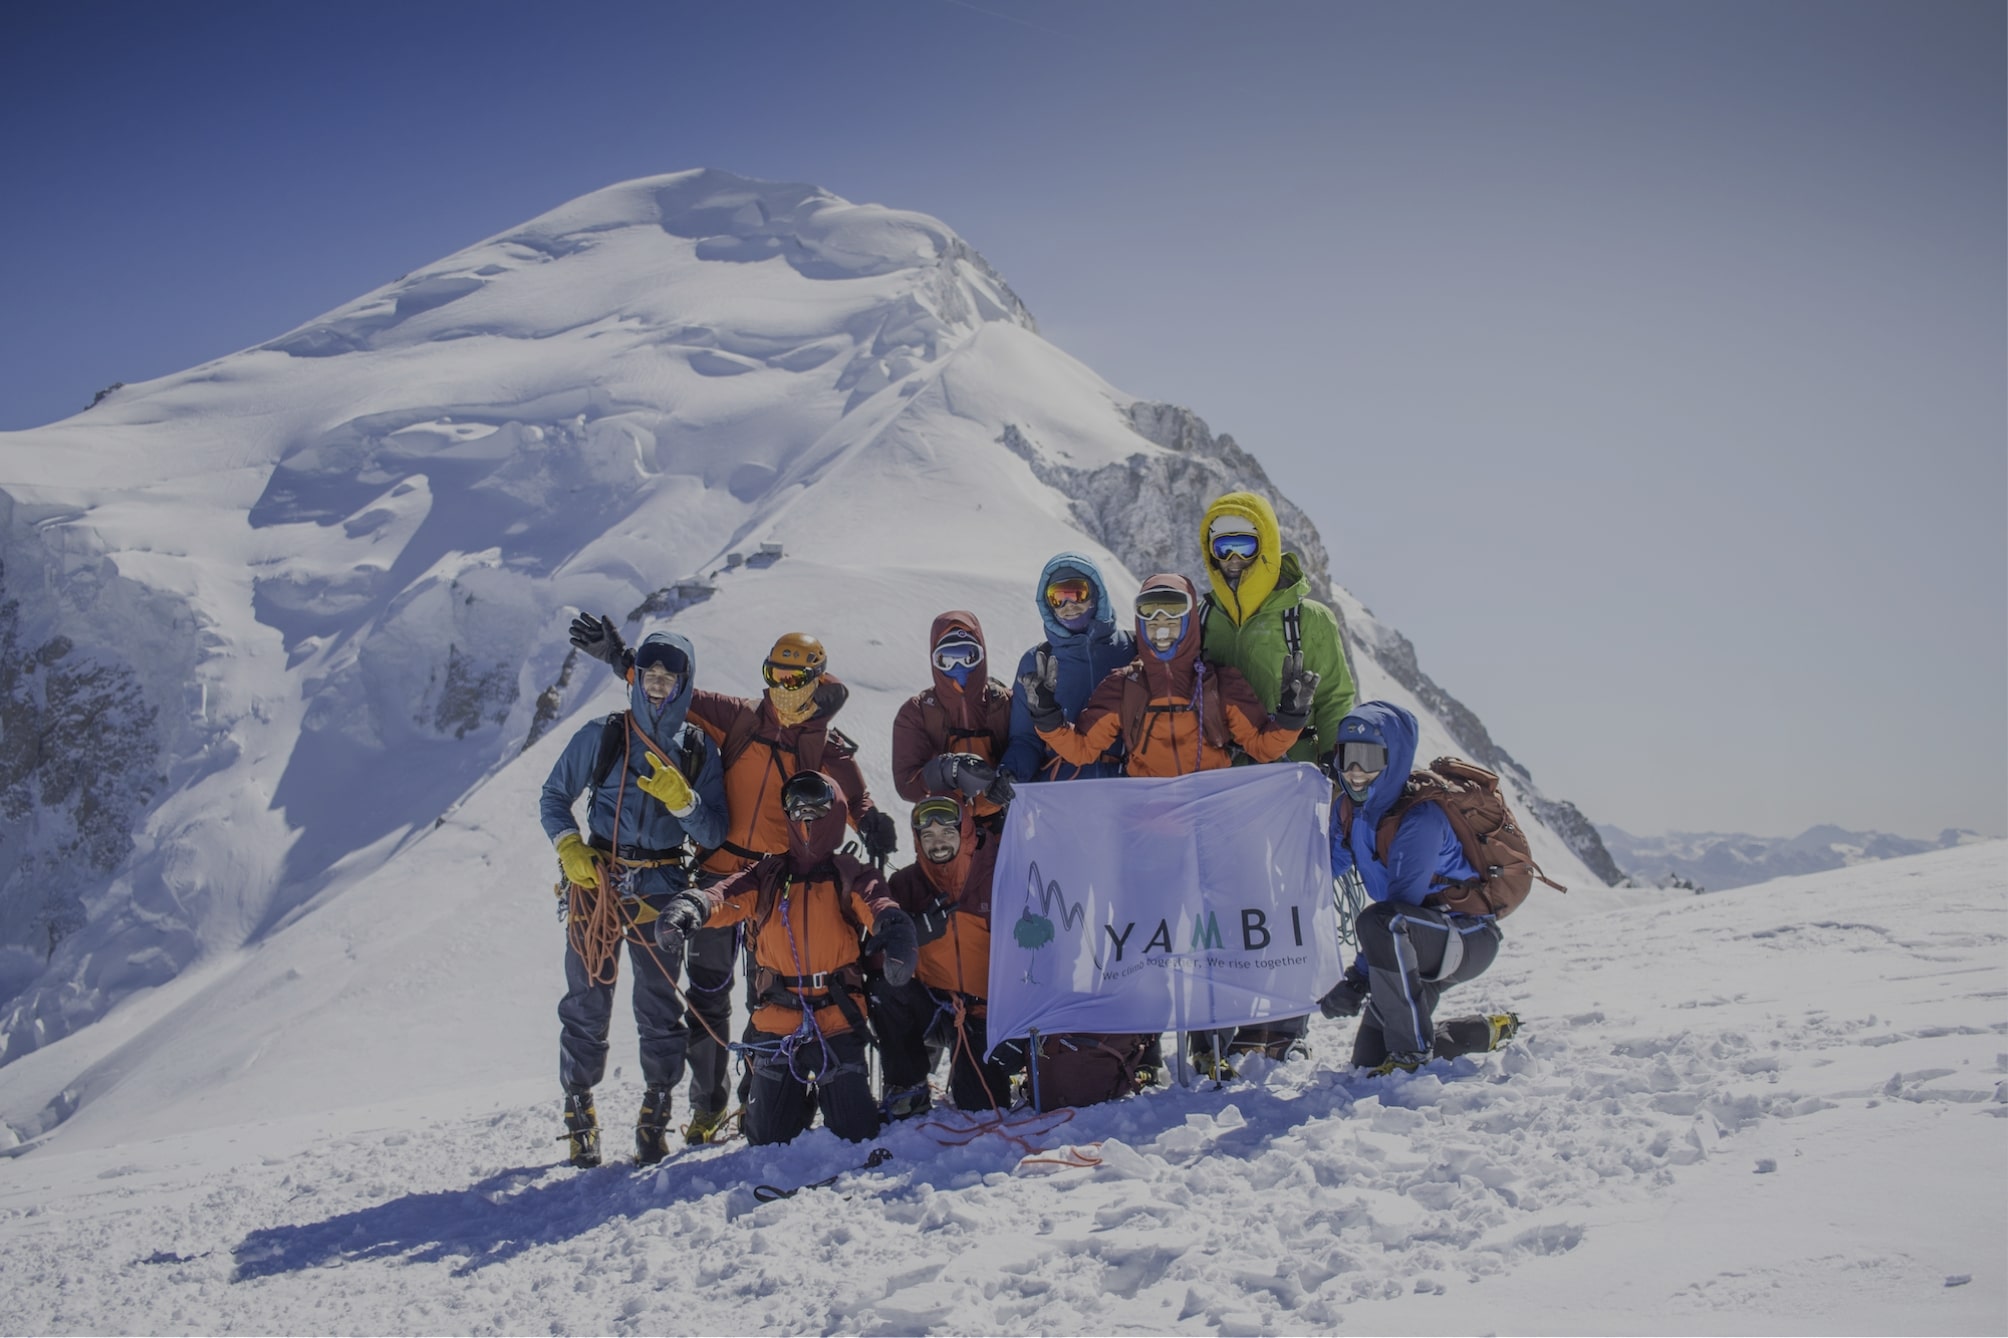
951	655
1162	605
789	675
937	813
1368	757
1073	590
1236	545
806	797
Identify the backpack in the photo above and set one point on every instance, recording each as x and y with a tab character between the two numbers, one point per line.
1493	842
688	758
810	744
1136	705
1079	1069
934	719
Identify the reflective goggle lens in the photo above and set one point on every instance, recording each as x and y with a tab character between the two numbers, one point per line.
957	655
788	675
1158	605
806	798
1236	545
1074	590
936	813
1368	757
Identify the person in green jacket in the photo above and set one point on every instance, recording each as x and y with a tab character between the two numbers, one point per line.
1257	616
1258	590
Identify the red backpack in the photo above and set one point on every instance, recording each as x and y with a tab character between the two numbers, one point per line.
1493	842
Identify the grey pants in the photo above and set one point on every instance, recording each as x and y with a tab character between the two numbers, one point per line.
587	1010
1413	954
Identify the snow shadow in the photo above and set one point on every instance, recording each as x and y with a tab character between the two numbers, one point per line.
489	1222
495	1219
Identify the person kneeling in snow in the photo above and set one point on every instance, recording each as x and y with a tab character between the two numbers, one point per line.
947	892
1411	949
806	910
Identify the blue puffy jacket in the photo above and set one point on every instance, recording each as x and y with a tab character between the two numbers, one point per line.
1425	849
1085	657
643	821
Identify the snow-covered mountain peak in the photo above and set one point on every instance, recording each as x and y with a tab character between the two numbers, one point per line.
282	651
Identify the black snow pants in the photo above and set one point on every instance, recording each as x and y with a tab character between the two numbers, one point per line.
912	1023
781	1105
708	964
587	1010
1413	954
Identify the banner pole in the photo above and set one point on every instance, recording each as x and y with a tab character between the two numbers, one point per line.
1033	1060
1178	1013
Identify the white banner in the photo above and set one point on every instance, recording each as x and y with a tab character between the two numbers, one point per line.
1151	905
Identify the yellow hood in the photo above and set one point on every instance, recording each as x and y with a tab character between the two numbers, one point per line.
1259	581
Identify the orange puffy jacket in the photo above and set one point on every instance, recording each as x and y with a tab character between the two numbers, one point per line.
808	909
1192	715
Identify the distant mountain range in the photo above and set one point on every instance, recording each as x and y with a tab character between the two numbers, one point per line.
1712	861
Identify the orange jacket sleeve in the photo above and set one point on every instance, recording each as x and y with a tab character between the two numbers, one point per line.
1252	727
734	898
1094	729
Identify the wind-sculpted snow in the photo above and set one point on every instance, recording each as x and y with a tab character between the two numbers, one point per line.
1773	1111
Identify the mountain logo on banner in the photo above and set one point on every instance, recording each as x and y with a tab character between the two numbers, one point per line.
1034	931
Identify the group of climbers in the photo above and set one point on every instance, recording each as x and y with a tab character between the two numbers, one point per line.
838	955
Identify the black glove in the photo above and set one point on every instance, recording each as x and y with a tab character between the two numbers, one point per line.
1346	998
1293	698
957	771
599	638
1042	700
894	935
879	833
829	697
1001	790
683	916
932	923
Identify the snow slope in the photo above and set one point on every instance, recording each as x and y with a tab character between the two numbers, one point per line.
282	653
1774	1110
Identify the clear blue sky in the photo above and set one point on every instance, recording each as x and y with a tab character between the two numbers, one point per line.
1693	311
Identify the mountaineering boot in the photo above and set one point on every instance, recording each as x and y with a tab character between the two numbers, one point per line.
582	1129
1476	1034
1408	1061
906	1102
710	1126
651	1125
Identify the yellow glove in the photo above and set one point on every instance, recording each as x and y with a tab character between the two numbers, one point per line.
579	861
668	785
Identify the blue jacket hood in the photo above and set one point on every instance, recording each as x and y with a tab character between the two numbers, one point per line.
1395	730
1104	624
662	728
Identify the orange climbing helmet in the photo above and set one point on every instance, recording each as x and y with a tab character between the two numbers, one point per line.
796	658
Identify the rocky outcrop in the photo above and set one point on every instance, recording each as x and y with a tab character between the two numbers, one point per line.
1147	509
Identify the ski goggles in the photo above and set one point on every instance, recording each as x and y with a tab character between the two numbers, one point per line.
806	797
789	675
1162	605
1368	757
936	812
1070	590
1236	545
957	653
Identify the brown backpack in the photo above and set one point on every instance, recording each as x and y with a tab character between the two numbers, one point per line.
1137	706
1493	842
